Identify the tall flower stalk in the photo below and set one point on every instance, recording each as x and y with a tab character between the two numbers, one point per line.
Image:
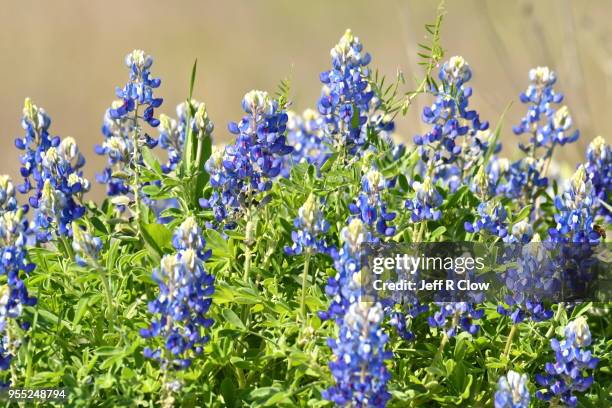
14	267
185	290
123	132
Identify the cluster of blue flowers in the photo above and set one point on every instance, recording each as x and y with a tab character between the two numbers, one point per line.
346	98
247	167
123	135
599	171
358	366
359	359
52	168
452	317
529	282
444	156
345	289
424	205
172	132
568	374
512	391
370	206
359	352
311	227
305	135
13	266
172	137
491	217
183	302
548	126
575	217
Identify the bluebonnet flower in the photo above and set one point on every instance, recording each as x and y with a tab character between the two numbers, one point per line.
530	281
424	205
491	217
440	148
311	226
370	205
183	302
86	246
53	169
452	317
247	167
576	211
220	181
172	132
171	139
399	319
546	124
305	135
359	352
344	289
138	92
347	95
13	265
568	374
522	176
512	391
599	171
123	135
521	232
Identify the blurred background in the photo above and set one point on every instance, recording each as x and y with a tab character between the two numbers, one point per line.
68	57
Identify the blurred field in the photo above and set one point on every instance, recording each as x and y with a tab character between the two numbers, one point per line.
68	56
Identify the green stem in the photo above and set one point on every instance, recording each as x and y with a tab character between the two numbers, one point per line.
136	178
67	247
248	253
240	378
420	232
509	340
437	356
105	278
247	261
304	282
551	330
441	347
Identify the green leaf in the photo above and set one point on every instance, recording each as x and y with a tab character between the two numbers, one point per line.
496	135
80	310
329	162
277	398
194	69
233	319
403	182
157	237
437	232
524	213
151	161
204	150
228	390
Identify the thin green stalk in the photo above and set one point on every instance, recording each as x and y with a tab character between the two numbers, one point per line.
551	330
420	232
136	178
508	346
304	282
105	278
441	347
247	261
67	247
248	253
